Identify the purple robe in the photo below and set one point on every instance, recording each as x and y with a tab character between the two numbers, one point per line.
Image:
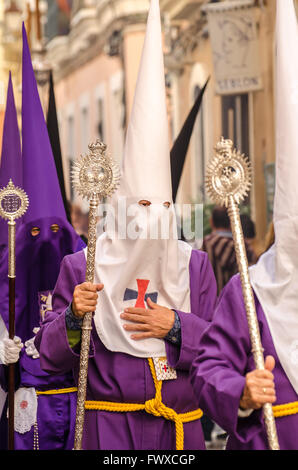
122	378
218	375
55	413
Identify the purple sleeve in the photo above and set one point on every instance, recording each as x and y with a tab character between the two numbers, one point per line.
56	356
203	294
218	372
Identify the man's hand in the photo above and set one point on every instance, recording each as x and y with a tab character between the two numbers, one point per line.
85	298
154	322
259	388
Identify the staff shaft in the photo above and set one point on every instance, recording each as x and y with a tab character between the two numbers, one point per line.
11	368
251	314
86	328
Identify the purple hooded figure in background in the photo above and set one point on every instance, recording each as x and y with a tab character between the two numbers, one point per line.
45	236
42	240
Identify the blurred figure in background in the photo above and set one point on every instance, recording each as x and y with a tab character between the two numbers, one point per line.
79	221
249	231
219	246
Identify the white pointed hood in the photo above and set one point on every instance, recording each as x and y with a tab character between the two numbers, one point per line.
275	277
146	170
138	264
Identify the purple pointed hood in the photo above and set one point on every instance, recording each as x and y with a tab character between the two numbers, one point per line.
11	167
40	179
39	252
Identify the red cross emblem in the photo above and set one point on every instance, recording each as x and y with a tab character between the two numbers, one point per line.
140	295
142	287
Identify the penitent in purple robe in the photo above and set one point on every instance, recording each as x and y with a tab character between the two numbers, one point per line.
38	261
218	375
122	378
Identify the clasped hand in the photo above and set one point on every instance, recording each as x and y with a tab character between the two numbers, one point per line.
154	322
259	387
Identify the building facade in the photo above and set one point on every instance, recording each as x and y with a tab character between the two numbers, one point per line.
12	14
10	47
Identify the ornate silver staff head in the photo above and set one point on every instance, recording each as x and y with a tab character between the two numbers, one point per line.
228	174
96	175
14	202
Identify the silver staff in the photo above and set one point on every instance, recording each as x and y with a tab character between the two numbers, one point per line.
95	176
13	204
228	181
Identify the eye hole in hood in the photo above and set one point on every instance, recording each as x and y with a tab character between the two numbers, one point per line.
146	203
35	231
55	228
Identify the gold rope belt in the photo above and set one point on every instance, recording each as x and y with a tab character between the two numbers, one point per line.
57	391
154	407
285	410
